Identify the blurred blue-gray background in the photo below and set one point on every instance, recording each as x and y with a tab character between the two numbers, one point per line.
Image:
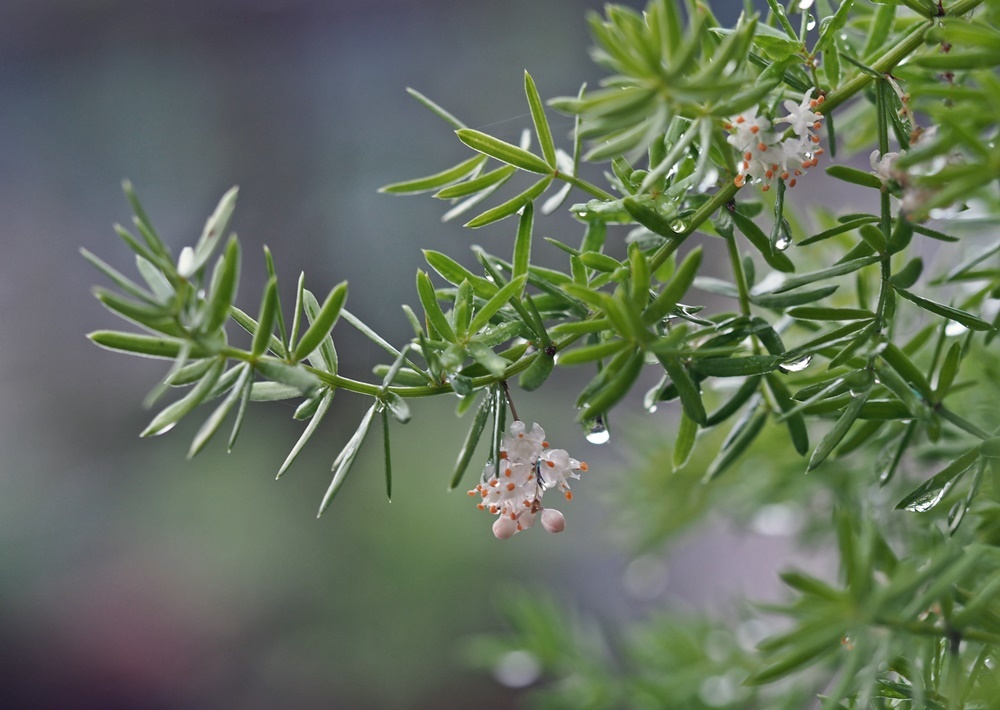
131	577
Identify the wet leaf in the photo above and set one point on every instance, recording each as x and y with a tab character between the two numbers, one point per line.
503	151
345	460
928	494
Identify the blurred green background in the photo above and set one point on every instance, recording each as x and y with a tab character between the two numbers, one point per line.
130	577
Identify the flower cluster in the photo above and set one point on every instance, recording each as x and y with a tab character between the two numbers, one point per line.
768	153
528	467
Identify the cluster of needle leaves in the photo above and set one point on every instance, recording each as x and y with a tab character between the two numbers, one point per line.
829	339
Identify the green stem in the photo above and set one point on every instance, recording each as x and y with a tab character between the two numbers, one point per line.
373	390
883	64
885	208
962	6
918	629
893	56
883	294
585	186
741	281
962	423
738	273
720	198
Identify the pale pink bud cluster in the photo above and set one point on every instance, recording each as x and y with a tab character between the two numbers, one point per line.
528	467
767	154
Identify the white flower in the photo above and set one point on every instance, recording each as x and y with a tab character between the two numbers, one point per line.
553	521
504	527
556	468
513	489
801	117
522	445
883	167
185	263
767	155
749	130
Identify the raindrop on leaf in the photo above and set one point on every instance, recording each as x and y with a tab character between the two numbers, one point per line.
796	365
597	432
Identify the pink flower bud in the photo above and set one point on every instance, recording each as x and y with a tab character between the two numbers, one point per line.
504	527
552	520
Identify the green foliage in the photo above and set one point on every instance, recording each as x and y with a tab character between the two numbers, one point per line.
854	353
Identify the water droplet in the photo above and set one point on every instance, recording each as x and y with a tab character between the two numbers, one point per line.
597	432
584	214
784	241
883	464
461	385
954	329
651	409
931	499
843	36
811	23
796	365
678	225
517	669
646	577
